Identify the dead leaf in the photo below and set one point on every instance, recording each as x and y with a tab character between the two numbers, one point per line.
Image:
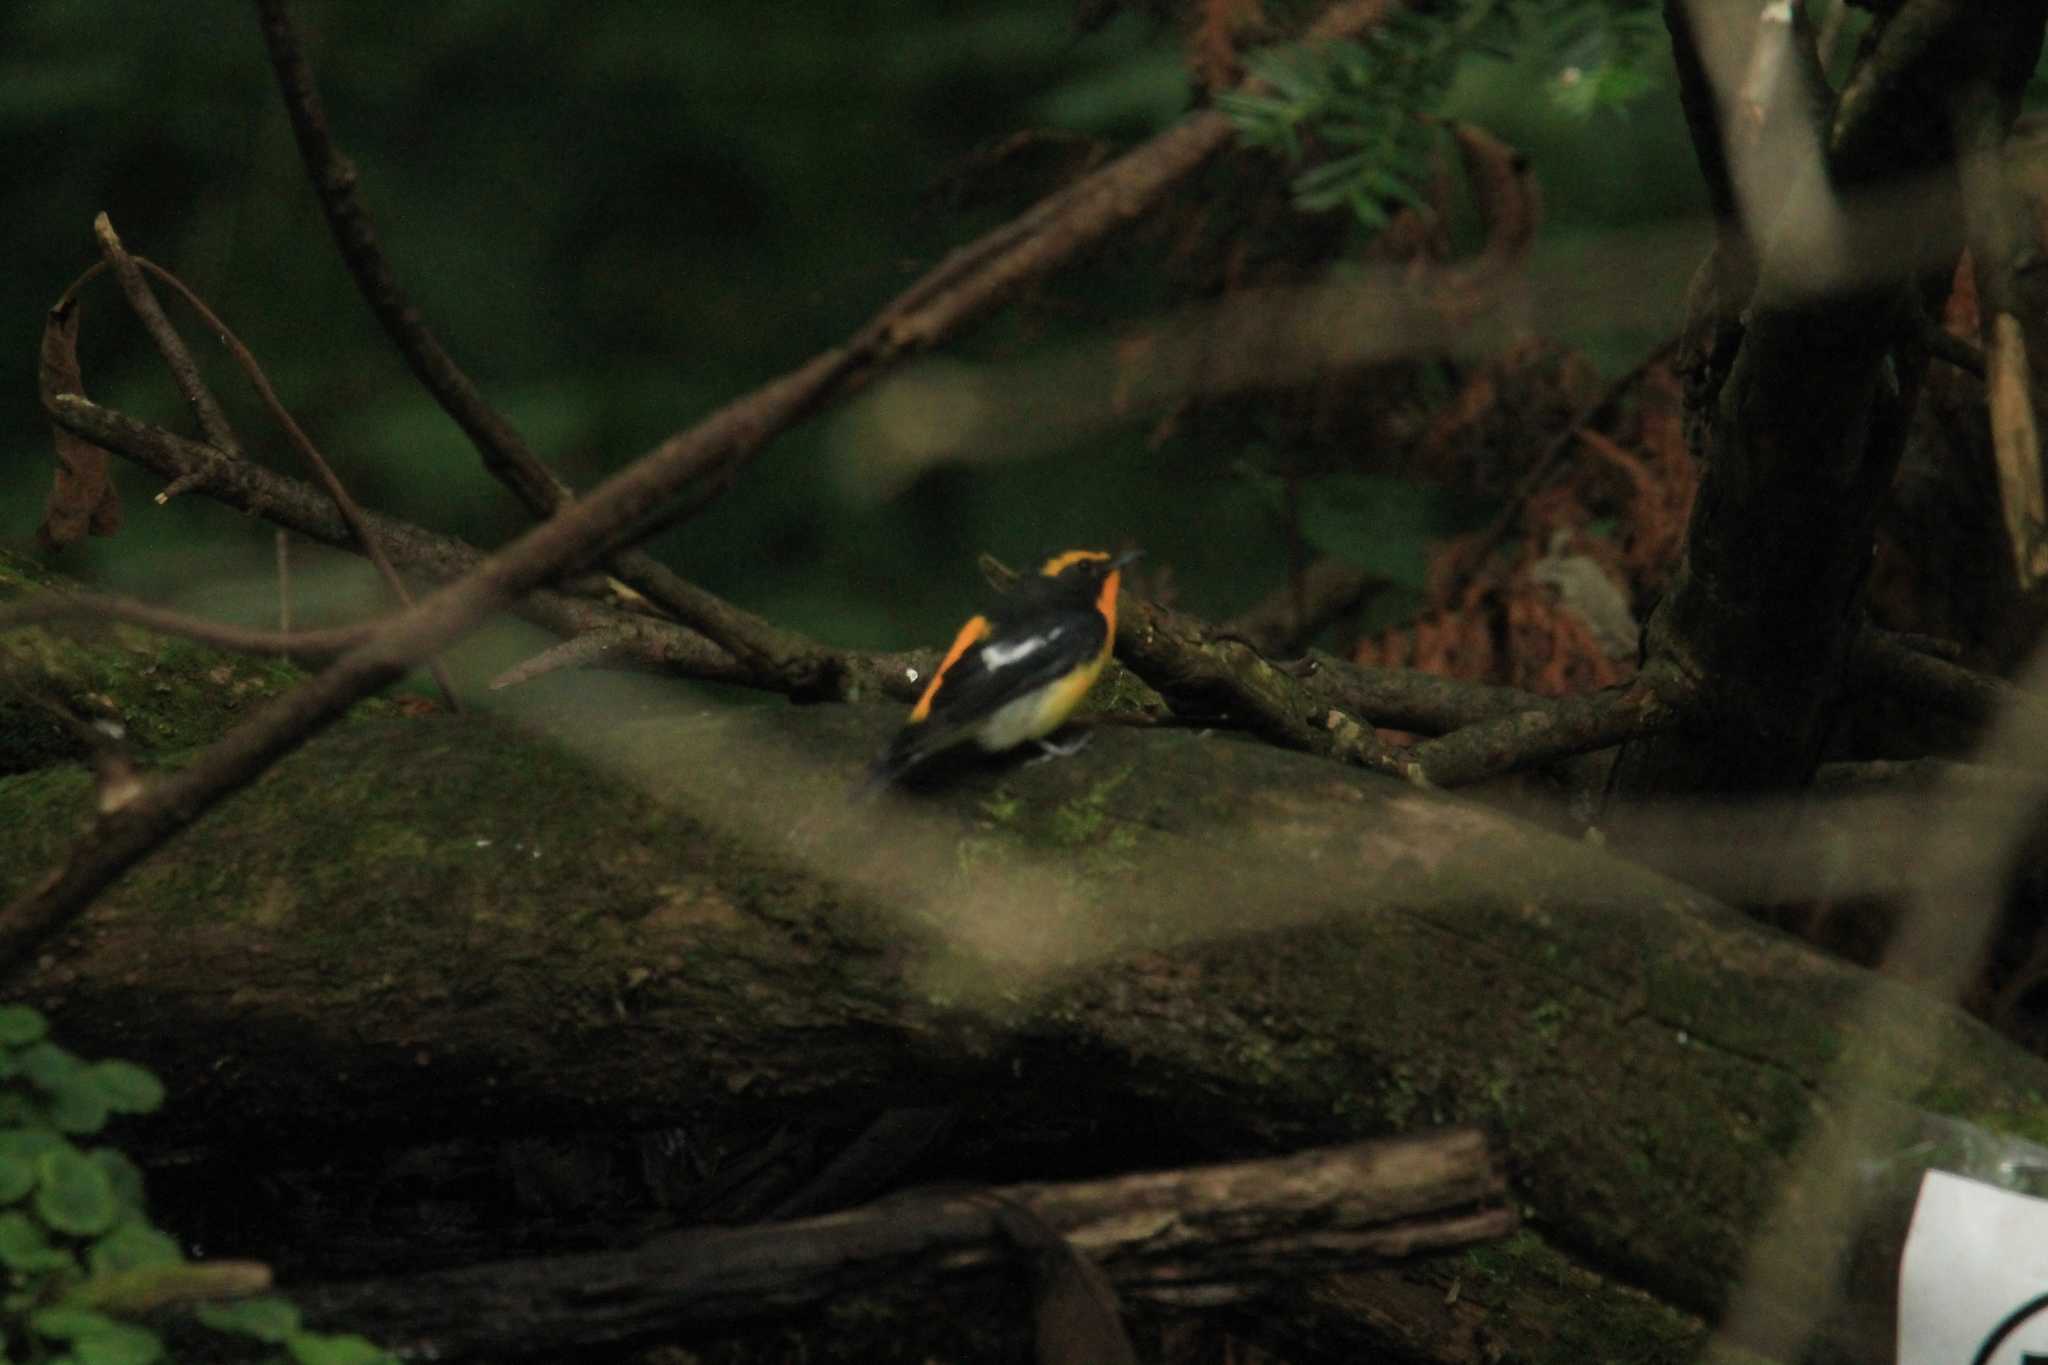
82	498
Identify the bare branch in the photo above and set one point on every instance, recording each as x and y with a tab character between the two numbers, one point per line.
184	371
1324	706
351	511
334	179
1653	702
88	606
1882	663
1154	1234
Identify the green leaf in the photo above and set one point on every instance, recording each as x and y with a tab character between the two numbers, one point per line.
17	1178
20	1026
265	1319
121	1345
66	1324
48	1065
123	1174
308	1349
78	1105
74	1194
132	1246
129	1089
21	1239
27	1144
25	1249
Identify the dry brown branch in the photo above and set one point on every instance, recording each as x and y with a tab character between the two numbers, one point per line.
344	502
639	640
1654	701
1212	1234
1325	706
802	667
213	422
1882	663
580	651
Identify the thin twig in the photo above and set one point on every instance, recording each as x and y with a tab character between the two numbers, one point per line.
505	454
68	606
351	511
284	582
184	371
578	606
334	180
578	652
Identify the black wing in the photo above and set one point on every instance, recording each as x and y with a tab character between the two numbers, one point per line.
1017	658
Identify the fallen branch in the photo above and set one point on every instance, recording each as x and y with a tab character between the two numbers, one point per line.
1881	662
1651	703
1325	706
1210	1235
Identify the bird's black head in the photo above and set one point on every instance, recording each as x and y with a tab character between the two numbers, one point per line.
1085	569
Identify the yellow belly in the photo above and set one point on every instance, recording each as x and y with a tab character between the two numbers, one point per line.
1037	714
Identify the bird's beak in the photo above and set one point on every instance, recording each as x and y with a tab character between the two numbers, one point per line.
1127	557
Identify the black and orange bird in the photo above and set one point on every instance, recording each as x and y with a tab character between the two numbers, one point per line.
1015	674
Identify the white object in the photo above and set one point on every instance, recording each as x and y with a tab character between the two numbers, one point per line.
1973	1281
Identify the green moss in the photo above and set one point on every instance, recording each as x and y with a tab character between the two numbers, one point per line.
1556	1312
167	694
1080	819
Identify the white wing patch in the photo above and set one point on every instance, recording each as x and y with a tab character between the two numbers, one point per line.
1002	655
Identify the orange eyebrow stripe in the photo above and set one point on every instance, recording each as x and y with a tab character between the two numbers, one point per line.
975	629
1053	567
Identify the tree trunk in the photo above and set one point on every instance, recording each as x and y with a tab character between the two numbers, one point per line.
1177	947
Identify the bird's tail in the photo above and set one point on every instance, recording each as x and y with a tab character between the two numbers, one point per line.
904	753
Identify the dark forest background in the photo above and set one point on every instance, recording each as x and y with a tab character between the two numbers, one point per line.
619	216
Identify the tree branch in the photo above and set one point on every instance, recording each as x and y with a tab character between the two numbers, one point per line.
1883	663
351	511
89	606
1162	1233
1328	707
184	371
1655	701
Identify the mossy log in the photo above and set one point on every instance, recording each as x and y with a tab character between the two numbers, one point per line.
626	906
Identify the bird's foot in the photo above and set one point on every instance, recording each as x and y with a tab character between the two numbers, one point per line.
1049	750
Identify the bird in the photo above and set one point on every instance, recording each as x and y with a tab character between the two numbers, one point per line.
1014	674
